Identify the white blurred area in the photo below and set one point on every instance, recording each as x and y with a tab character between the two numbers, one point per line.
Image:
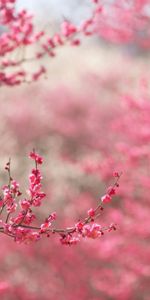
46	10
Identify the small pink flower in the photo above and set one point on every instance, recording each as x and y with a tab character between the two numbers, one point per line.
25	204
106	198
91	212
68	29
38	159
116	174
111	191
93	231
45	226
79	227
69	240
12	208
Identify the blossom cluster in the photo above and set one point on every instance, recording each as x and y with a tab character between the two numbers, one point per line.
19	33
18	216
124	22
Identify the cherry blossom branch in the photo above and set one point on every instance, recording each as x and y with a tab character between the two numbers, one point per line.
20	33
20	226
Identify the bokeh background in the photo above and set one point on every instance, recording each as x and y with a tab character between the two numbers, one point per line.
90	117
